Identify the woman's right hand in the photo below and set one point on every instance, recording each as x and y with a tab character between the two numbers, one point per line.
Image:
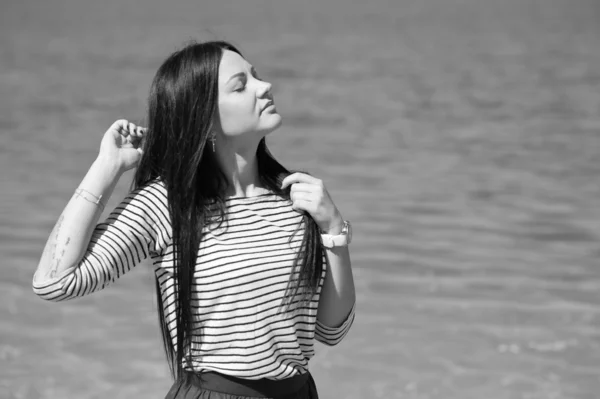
121	146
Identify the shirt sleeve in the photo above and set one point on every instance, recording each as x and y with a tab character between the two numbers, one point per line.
333	335
135	229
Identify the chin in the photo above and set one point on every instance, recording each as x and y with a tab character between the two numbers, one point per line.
275	121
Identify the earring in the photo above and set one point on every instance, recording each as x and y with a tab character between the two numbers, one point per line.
213	139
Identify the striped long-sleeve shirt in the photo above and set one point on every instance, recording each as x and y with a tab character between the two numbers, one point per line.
241	273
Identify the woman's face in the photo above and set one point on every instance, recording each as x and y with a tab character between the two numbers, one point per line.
245	101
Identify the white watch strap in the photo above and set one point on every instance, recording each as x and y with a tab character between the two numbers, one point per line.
330	241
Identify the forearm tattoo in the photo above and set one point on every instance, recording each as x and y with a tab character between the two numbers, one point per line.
55	258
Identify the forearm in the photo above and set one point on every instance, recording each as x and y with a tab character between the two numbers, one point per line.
71	234
337	295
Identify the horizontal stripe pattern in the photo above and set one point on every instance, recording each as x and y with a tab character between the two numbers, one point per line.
242	271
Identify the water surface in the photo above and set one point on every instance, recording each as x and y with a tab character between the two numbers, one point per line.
459	136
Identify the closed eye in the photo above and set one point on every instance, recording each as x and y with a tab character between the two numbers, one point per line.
241	85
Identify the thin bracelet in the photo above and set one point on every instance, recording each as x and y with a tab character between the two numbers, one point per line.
82	193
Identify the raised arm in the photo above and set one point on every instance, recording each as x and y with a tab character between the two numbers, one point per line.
120	150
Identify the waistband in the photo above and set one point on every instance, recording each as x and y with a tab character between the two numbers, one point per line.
262	388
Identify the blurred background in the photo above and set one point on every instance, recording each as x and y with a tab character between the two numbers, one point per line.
461	138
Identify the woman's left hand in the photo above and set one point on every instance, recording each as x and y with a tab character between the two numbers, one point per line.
309	194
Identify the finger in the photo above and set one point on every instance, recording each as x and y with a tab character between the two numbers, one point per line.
119	123
121	126
298	177
303	196
301	206
136	132
131	128
302	187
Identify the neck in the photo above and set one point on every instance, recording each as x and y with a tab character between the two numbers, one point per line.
240	166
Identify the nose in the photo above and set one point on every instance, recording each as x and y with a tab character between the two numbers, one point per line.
265	89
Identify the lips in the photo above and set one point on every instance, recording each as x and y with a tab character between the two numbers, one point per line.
267	105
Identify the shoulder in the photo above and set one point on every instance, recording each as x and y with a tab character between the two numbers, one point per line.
154	192
148	201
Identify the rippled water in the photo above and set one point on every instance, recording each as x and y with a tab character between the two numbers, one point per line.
461	137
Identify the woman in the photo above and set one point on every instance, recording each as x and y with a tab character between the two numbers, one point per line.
251	261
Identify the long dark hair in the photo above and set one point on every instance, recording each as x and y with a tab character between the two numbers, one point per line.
182	105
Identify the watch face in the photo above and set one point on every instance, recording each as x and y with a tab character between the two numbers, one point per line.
349	231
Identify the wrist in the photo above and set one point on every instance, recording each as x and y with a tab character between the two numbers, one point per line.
335	227
335	238
101	176
107	168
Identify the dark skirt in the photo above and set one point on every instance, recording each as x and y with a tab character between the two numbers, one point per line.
212	385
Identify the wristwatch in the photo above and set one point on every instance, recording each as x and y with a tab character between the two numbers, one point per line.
339	240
